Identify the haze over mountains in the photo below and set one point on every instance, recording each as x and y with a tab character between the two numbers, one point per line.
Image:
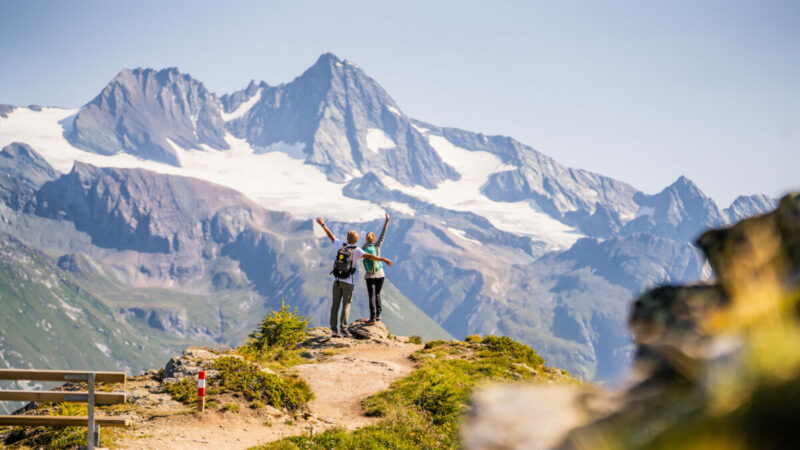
160	214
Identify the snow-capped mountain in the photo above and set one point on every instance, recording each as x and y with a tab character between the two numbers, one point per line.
145	113
749	205
170	185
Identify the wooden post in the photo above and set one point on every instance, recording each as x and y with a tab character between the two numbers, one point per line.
201	391
93	430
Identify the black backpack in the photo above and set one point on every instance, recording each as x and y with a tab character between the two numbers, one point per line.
343	267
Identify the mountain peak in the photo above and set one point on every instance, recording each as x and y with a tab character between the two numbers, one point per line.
685	185
330	66
328	58
680	211
331	109
750	205
145	112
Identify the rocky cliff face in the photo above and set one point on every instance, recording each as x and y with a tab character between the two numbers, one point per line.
680	212
716	364
22	172
346	122
745	206
594	203
141	110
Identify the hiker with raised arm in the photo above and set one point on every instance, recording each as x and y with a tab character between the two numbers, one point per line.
374	273
344	270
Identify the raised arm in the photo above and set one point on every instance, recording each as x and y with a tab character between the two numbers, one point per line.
378	258
327	230
383	232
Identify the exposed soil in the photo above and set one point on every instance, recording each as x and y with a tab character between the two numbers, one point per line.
339	384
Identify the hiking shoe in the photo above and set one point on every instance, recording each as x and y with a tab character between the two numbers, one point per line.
378	319
336	334
369	322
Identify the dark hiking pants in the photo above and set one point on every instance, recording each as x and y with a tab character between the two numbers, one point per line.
374	286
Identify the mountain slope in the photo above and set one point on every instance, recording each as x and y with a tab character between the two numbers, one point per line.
22	171
574	196
489	235
142	110
344	121
681	212
745	206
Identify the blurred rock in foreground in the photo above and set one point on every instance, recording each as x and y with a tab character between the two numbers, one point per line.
717	365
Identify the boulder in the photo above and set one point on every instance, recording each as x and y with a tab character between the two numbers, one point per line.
376	331
189	363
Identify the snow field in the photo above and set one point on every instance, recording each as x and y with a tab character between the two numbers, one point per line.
465	194
378	140
243	108
273	179
277	178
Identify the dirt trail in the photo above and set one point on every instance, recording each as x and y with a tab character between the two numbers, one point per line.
339	385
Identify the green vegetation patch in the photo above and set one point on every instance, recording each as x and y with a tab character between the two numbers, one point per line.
57	437
424	409
503	346
242	377
274	341
280	329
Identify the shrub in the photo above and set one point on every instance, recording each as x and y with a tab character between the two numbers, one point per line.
230	407
239	376
442	400
474	338
184	391
284	328
434	343
415	340
510	348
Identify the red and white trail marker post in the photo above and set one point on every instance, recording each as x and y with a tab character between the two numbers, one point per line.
201	391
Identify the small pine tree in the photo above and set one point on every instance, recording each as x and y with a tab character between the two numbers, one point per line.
283	328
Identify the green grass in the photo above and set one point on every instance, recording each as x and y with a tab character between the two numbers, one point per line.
273	342
424	409
54	437
241	377
230	407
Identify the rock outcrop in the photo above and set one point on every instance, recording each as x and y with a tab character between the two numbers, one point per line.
145	112
713	361
22	172
344	120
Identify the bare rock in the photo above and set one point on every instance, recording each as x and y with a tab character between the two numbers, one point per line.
376	331
189	363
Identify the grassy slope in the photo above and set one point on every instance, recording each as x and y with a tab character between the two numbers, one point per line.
57	319
424	409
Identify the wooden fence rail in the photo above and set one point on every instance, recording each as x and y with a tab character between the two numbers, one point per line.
89	396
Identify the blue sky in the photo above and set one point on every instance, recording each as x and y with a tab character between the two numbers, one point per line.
643	91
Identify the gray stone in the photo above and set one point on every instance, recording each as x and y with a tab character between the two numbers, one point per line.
376	331
140	110
188	364
330	109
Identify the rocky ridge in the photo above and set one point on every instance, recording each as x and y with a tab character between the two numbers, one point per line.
713	360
